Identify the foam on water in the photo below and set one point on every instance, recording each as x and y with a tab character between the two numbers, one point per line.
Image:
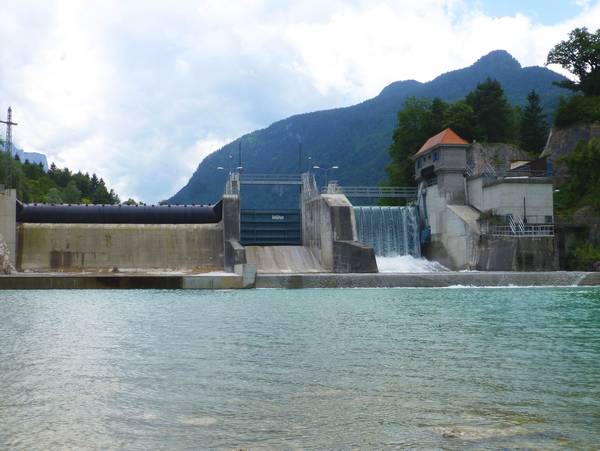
408	264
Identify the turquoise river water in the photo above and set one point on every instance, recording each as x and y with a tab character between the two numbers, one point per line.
318	369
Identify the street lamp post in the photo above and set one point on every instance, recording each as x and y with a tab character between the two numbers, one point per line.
326	172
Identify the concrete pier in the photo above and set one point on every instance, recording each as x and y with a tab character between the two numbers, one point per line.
42	281
73	281
429	280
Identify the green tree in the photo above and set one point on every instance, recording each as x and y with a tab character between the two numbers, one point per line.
534	128
53	196
583	185
580	55
460	117
33	184
492	112
71	194
130	201
418	120
438	111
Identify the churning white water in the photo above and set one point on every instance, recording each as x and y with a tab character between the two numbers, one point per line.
393	232
408	264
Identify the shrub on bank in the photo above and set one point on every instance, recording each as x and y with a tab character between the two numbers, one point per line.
585	257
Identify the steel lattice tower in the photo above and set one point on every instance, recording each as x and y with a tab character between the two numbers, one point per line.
8	143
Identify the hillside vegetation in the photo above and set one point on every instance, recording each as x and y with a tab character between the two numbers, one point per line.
56	186
484	115
357	138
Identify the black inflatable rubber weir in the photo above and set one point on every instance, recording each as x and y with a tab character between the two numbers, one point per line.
119	214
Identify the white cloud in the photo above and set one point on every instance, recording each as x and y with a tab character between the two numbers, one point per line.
140	91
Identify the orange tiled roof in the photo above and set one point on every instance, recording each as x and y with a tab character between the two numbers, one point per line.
445	137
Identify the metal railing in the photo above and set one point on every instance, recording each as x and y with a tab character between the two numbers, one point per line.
503	171
516	224
372	191
270	179
526	230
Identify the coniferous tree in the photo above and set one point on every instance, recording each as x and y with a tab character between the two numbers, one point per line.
534	128
33	184
417	121
492	112
71	194
460	117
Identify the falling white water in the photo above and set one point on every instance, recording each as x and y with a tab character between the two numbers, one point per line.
390	231
393	233
408	264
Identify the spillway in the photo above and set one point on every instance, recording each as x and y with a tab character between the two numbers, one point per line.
391	231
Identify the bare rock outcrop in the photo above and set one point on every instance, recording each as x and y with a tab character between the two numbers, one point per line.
494	154
562	141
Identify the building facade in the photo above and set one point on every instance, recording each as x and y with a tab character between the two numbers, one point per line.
489	217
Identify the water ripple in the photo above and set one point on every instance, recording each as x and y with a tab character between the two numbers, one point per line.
297	369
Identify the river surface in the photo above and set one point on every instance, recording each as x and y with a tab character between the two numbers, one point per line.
270	369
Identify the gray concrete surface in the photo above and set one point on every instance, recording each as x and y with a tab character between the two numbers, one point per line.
428	280
234	281
98	247
517	253
283	259
329	231
233	252
8	200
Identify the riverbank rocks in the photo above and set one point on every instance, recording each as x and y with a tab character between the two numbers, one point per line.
5	266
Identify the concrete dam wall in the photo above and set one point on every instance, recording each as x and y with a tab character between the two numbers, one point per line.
329	231
102	247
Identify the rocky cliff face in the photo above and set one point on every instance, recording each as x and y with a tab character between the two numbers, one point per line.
494	154
564	139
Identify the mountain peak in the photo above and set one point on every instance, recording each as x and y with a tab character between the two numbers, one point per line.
357	138
498	59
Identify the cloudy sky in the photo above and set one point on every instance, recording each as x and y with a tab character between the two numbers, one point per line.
139	91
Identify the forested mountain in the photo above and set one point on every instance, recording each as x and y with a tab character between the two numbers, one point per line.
32	157
357	138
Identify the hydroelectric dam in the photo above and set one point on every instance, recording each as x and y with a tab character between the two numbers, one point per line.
326	234
466	214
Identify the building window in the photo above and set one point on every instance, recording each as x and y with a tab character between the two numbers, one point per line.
436	155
